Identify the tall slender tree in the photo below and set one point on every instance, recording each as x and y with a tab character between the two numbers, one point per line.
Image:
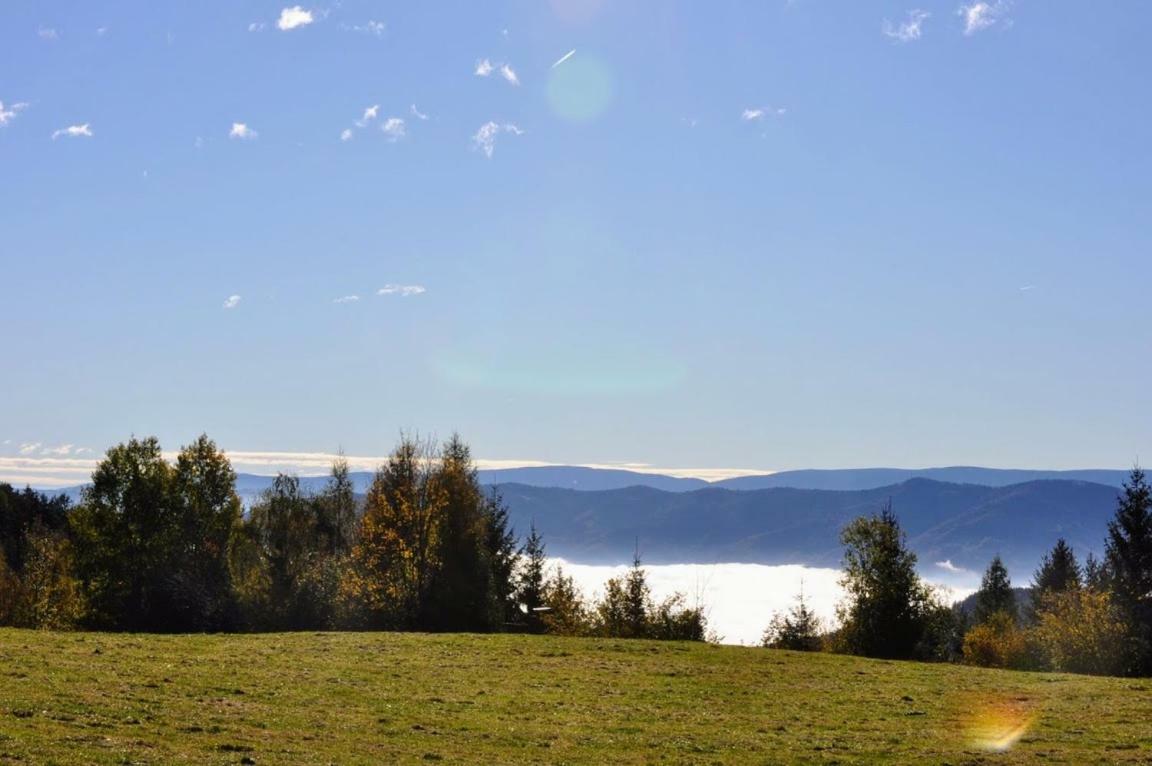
1129	561
530	580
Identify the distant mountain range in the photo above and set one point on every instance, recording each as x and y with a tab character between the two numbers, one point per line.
964	524
598	479
959	515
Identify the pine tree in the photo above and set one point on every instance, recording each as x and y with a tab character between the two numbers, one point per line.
1096	576
798	629
530	581
1129	561
995	594
1059	572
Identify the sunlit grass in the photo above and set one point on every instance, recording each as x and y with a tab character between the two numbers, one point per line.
397	698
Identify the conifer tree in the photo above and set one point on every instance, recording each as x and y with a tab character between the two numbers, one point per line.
1129	561
530	580
995	594
1059	572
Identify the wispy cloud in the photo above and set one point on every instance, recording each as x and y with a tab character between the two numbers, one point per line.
241	131
755	114
509	74
394	128
293	18
908	30
7	114
948	566
484	68
417	113
374	28
232	301
48	33
402	290
257	26
73	131
564	58
346	134
981	15
30	448
485	138
347	299
1027	288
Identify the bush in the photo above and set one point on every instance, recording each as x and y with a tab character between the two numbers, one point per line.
1081	631
998	643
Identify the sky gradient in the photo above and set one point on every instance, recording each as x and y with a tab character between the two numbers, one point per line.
756	235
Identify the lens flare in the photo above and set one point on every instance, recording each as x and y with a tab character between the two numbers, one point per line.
580	90
996	725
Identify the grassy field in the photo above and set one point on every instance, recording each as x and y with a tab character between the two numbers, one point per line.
407	698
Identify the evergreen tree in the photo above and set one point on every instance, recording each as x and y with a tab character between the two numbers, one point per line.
1129	561
459	595
1096	576
1059	572
886	605
995	594
502	548
798	629
530	581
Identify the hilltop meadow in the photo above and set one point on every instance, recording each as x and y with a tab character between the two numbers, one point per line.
318	698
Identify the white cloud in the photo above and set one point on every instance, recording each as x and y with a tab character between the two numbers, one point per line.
346	134
257	26
509	74
7	114
101	31
948	566
30	448
62	451
564	58
982	15
402	290
347	299
752	114
232	301
73	131
417	113
394	128
484	68
48	33
909	29
369	115
485	138
291	18
241	131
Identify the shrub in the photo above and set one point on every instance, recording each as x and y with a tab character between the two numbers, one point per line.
998	643
1081	631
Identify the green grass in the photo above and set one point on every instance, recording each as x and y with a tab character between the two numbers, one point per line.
408	698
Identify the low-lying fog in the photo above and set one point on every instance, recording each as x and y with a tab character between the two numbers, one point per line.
740	599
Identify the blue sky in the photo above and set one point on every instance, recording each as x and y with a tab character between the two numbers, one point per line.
757	235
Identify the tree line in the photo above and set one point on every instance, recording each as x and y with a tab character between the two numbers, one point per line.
166	546
1094	617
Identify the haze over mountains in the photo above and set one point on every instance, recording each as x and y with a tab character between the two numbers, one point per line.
959	515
